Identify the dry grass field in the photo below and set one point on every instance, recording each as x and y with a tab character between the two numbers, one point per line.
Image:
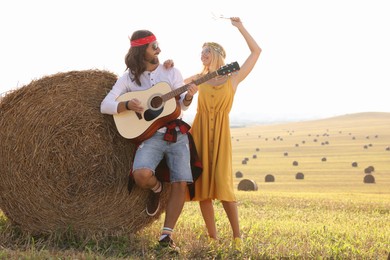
324	151
329	214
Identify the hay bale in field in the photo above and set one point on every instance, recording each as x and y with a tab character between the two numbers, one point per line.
369	179
323	159
239	174
247	185
63	164
369	169
299	176
295	163
269	178
354	164
254	156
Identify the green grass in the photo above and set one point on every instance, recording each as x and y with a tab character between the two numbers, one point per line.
330	214
274	225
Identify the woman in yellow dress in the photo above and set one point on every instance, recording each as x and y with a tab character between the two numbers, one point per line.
211	132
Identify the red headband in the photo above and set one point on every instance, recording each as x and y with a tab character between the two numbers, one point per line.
143	41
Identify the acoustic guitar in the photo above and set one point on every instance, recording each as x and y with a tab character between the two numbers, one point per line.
160	106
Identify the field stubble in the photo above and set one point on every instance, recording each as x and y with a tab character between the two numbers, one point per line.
330	214
324	153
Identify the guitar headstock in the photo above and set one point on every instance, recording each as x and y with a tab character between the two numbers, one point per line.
228	68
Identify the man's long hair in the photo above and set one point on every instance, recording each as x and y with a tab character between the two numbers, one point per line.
135	57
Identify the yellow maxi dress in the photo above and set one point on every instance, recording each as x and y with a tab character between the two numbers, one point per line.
211	133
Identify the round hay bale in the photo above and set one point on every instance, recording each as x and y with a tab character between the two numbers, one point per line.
247	185
254	156
269	178
299	176
295	163
323	159
369	179
244	161
63	163
354	164
239	174
369	169
285	153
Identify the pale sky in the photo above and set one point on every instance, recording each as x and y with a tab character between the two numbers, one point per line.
319	59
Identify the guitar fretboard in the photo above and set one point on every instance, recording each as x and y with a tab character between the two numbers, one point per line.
184	88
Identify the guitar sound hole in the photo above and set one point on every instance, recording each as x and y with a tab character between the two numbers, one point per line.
156	102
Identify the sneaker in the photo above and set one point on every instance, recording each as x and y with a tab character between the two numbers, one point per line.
153	204
167	242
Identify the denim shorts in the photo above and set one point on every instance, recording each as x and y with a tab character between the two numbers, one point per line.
151	152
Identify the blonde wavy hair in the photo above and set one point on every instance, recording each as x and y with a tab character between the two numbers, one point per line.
218	56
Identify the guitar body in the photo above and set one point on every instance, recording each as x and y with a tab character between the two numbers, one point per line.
138	127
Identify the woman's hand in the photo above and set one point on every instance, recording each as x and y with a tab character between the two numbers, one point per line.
236	21
168	64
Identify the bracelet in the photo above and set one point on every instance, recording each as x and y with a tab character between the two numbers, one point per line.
127	105
185	98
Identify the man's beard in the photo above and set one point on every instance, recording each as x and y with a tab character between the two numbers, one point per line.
152	60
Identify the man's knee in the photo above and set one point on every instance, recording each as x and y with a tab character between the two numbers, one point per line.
142	177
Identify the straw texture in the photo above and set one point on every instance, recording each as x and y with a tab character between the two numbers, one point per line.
63	164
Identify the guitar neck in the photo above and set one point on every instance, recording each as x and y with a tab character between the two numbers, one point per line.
184	88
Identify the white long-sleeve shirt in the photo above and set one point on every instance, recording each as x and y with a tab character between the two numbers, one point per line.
148	79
